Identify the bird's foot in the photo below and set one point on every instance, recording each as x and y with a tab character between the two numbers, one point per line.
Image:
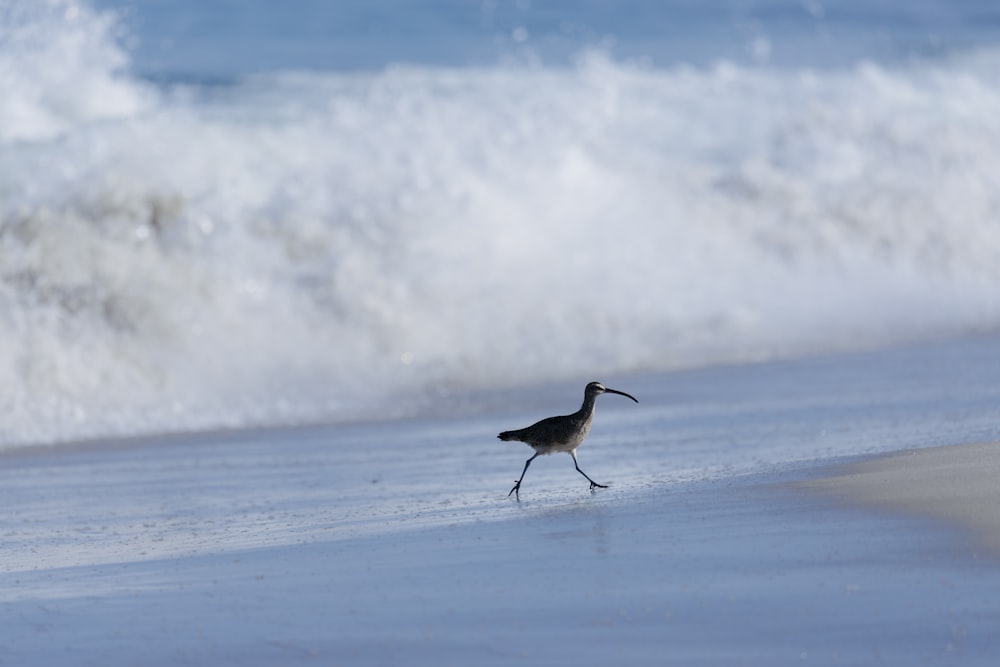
595	485
516	490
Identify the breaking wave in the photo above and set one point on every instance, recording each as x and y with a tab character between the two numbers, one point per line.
311	246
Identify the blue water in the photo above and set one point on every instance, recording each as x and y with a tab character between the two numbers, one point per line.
217	39
233	214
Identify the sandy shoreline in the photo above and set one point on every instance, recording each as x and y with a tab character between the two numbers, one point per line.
395	542
244	551
959	484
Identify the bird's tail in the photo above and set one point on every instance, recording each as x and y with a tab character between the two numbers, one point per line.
510	435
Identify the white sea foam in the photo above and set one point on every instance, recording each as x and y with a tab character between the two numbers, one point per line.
60	66
300	246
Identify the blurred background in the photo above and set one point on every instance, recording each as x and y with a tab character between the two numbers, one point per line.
243	213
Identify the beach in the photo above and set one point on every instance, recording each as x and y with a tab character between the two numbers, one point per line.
273	277
956	484
395	542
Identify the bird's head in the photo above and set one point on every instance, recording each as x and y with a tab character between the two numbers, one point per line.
596	389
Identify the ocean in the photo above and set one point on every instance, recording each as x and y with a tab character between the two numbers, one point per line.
242	214
274	275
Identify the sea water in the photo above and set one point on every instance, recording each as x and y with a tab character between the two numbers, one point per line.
235	214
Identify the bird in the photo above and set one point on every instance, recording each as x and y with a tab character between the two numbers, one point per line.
561	434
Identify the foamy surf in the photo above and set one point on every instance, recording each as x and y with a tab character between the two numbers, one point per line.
299	246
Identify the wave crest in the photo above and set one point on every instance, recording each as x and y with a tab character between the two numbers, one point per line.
61	66
303	246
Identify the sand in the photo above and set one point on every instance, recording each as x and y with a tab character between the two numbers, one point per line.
958	484
253	550
726	536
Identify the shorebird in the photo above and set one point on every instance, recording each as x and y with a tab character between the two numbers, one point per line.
561	434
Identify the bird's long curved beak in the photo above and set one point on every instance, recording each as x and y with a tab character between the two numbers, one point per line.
621	393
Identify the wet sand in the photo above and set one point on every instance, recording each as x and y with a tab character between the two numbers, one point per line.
262	549
731	532
957	484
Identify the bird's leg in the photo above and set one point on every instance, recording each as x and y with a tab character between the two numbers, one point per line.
593	484
517	485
